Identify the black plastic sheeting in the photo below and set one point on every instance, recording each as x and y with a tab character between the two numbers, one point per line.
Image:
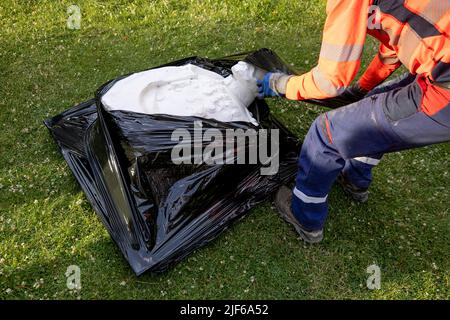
158	212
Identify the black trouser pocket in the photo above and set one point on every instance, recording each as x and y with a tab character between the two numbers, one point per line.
402	103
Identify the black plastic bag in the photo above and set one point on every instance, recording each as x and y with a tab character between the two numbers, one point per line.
158	212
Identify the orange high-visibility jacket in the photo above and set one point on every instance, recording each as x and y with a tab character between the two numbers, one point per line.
414	33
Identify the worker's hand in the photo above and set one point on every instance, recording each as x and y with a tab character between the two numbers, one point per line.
353	94
273	85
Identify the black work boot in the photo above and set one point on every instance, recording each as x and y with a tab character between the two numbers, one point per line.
357	194
283	200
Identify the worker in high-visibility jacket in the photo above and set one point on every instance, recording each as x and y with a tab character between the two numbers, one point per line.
412	111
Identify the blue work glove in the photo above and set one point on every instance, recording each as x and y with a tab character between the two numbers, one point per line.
273	85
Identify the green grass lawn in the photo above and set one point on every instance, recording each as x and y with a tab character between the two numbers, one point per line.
46	223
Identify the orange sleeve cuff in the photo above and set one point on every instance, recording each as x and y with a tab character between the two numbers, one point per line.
293	88
376	73
304	87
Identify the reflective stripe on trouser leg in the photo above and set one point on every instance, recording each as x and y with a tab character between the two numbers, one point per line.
367	160
308	199
310	211
358	171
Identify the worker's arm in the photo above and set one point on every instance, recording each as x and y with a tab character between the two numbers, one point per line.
340	57
381	67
